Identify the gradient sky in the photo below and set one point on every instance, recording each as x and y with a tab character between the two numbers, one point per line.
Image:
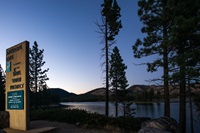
66	30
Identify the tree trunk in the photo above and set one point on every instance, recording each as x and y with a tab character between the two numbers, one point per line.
107	72
36	77
165	63
182	109
166	86
191	110
124	108
116	109
116	102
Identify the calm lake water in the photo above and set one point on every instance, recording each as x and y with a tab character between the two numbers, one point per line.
153	110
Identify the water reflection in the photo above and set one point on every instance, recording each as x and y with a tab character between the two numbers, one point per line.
89	106
144	110
153	110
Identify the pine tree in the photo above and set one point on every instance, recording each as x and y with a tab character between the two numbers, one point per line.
157	16
2	89
185	41
38	77
109	29
118	79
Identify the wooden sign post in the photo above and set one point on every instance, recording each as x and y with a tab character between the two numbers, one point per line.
17	85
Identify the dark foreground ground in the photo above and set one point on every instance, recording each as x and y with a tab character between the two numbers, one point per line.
64	127
40	126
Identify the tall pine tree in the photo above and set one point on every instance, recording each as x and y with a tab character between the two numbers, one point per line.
38	77
185	41
172	29
157	16
2	89
109	28
118	79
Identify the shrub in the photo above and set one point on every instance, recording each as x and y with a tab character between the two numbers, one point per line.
126	123
87	120
4	119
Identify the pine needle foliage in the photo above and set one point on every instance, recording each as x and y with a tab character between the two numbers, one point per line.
38	76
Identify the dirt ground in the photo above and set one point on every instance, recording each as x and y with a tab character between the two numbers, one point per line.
64	127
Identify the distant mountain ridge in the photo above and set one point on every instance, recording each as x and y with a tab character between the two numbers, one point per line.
160	88
98	91
61	93
134	88
98	94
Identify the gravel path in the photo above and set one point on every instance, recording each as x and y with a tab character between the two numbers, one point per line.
64	127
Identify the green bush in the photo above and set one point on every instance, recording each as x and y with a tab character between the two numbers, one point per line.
126	123
85	119
95	120
70	116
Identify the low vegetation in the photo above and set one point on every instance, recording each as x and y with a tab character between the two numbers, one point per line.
196	99
43	98
88	120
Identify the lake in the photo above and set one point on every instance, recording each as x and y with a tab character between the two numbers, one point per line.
153	110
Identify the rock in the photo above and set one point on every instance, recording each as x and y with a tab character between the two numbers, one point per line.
152	130
162	123
143	118
171	124
4	120
2	131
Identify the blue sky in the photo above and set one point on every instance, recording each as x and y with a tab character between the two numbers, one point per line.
66	30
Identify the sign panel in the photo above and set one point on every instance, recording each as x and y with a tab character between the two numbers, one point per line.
8	66
16	67
16	100
17	85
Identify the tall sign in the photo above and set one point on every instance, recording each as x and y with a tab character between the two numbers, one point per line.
17	85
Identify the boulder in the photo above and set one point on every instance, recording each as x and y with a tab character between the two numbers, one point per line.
4	119
2	131
152	130
143	118
162	123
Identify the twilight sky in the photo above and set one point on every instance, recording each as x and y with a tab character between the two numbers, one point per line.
66	30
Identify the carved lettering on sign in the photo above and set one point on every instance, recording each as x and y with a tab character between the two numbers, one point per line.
18	63
10	58
16	72
16	80
13	50
18	86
